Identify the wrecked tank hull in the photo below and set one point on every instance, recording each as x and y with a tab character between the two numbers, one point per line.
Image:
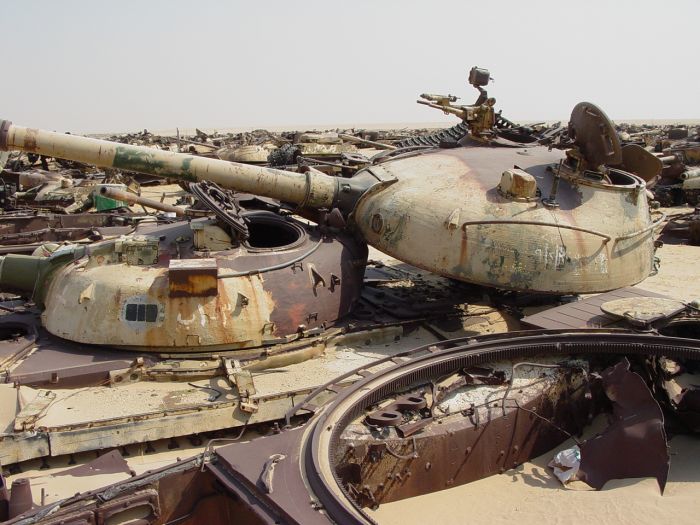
24	232
78	398
227	332
321	471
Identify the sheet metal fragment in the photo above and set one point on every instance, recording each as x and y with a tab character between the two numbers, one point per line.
634	445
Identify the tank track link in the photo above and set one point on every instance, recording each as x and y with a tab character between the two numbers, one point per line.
285	155
449	135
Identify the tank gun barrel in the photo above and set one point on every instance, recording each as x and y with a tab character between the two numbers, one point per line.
313	190
359	140
31	273
446	108
125	196
439	99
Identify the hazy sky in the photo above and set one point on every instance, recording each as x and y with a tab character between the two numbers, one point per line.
90	66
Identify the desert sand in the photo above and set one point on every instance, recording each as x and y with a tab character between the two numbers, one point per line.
530	495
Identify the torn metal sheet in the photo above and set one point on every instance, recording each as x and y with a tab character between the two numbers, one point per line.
110	463
473	430
634	445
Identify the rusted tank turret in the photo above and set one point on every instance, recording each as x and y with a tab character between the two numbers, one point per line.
500	211
236	279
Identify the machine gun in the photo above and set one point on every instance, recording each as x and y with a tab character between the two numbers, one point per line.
480	117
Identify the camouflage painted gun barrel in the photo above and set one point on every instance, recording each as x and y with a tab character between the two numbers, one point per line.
320	326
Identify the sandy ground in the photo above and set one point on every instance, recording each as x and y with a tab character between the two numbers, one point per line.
530	494
678	274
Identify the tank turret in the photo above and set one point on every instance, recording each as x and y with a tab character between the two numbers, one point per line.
197	285
500	211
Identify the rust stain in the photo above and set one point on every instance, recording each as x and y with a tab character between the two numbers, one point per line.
193	286
463	248
252	312
30	139
193	282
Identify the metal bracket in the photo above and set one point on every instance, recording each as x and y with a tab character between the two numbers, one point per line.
382	174
133	374
34	410
316	278
242	380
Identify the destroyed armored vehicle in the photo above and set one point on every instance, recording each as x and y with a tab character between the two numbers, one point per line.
278	151
433	418
678	155
45	215
23	232
498	212
51	192
249	154
210	323
679	184
158	386
163	336
312	146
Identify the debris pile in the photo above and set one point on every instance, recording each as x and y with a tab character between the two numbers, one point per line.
677	149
